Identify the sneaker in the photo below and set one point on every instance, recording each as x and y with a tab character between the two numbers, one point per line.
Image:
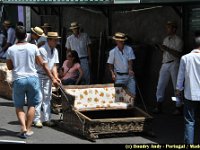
38	124
49	123
22	135
29	133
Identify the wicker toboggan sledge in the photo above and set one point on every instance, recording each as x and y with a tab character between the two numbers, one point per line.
95	111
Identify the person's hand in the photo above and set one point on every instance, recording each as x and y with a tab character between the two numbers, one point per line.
56	82
113	76
178	93
130	72
57	79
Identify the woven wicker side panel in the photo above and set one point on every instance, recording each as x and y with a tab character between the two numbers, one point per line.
72	119
5	81
5	89
5	74
93	130
117	127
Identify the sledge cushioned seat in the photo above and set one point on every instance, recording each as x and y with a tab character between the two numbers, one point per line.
97	97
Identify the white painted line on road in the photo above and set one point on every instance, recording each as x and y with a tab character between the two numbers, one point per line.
12	141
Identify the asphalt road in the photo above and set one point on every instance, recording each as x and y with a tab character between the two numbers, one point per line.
167	128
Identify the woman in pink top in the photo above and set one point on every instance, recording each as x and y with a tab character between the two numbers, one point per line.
71	70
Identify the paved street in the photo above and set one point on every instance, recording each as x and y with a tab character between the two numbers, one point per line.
168	129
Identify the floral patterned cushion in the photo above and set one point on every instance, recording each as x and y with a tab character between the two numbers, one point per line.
100	97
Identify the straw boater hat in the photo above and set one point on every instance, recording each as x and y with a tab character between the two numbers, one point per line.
7	23
172	23
46	25
53	35
119	36
74	25
38	31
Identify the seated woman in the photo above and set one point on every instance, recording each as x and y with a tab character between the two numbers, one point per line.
71	72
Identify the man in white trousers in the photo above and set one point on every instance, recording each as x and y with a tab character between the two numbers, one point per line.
172	49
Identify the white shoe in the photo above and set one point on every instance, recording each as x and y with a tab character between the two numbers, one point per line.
38	124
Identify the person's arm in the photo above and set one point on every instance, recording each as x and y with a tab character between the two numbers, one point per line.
88	43
40	62
177	47
10	39
180	78
110	63
170	50
131	58
55	72
9	64
130	67
80	75
89	55
111	68
6	46
40	44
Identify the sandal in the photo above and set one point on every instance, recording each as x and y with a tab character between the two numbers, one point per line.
29	133
22	135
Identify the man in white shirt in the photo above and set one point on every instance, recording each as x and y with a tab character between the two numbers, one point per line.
80	42
189	81
49	54
120	63
172	50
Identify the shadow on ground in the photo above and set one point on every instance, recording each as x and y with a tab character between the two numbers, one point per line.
14	123
5	132
9	104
